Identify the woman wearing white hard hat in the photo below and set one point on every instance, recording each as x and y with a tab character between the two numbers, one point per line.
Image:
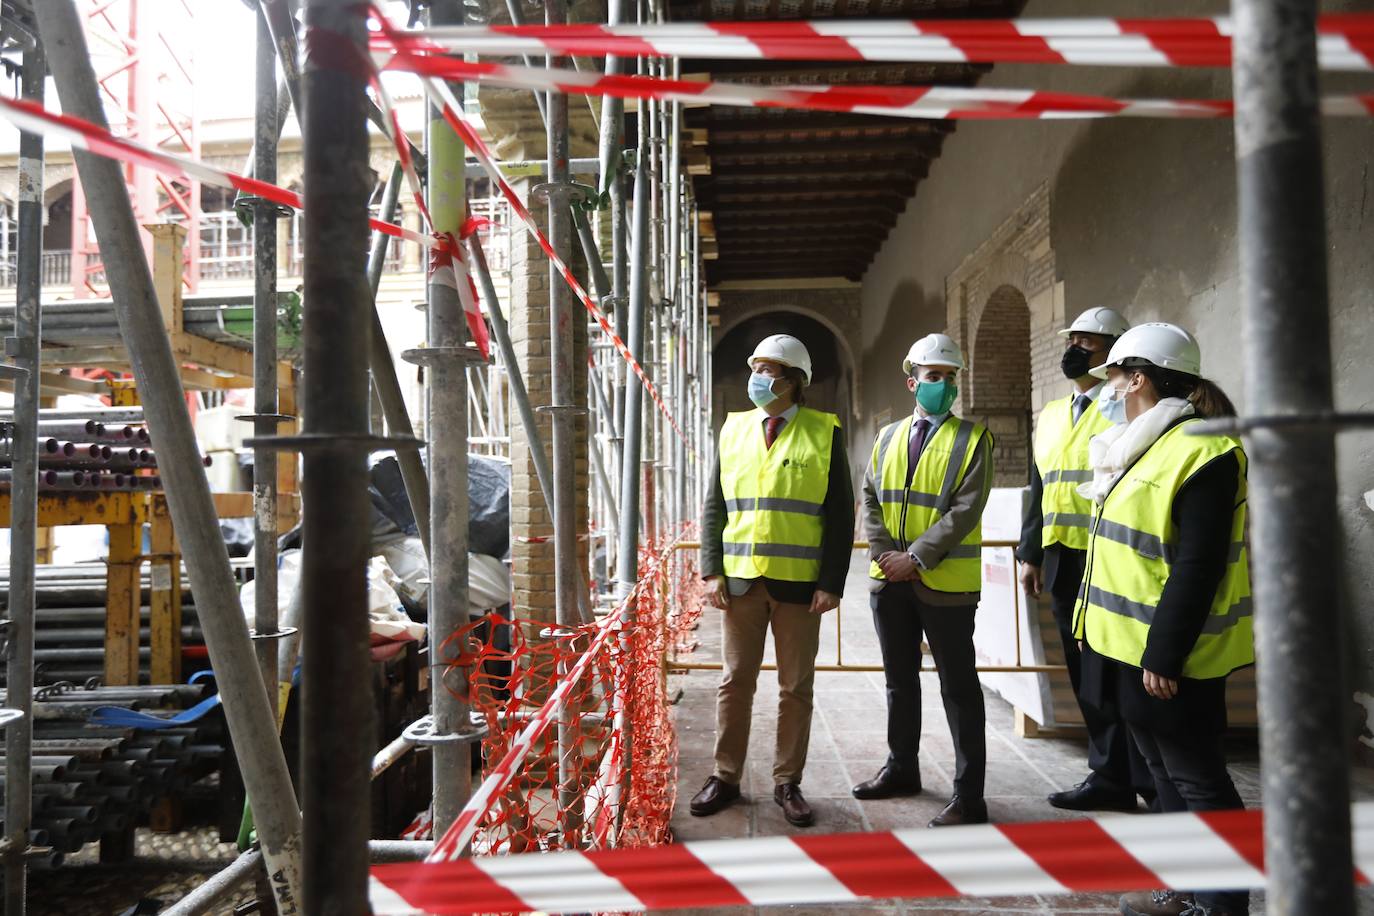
1053	551
777	532
1165	613
924	493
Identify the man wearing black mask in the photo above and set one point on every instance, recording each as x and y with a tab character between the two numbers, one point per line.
1053	552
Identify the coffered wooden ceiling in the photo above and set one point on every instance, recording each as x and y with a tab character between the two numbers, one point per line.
793	194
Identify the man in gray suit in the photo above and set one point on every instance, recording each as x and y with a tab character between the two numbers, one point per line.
924	493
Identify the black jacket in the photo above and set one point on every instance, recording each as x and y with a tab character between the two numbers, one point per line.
1202	512
837	541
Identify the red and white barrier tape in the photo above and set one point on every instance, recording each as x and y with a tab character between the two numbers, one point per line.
405	54
451	845
934	102
83	135
1220	850
1344	42
448	264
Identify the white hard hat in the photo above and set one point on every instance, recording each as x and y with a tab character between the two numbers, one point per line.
1107	322
1165	345
933	350
785	349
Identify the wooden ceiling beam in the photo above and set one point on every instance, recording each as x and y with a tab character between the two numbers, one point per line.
888	128
914	149
742	219
877	207
859	227
787	184
763	179
718	119
894	198
892	166
730	248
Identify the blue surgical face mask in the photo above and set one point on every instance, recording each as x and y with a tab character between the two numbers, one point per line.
761	390
936	398
1112	403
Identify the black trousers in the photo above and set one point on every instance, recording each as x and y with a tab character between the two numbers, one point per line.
901	618
1113	758
1190	772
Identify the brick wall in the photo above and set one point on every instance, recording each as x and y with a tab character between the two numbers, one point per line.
1004	306
528	313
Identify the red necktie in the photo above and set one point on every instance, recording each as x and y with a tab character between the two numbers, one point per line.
770	430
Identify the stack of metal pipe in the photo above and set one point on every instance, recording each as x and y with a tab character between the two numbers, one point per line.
90	453
69	622
91	322
90	781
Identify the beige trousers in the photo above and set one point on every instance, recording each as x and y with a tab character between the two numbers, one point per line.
796	637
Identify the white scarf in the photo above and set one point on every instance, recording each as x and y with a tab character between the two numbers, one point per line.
1113	451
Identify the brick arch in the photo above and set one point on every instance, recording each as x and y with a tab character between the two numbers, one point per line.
1005	269
1000	380
740	309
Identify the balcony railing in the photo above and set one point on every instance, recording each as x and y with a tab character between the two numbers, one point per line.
226	249
57	269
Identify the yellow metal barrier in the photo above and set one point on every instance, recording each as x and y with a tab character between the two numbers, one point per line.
839	663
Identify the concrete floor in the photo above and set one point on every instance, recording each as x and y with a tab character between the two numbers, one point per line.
848	746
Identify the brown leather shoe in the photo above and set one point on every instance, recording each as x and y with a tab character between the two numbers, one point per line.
1156	903
794	807
961	811
715	796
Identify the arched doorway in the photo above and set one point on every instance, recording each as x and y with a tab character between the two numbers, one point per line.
1000	382
832	382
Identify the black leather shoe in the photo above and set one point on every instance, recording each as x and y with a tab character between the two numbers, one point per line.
961	811
794	807
716	795
1088	796
889	783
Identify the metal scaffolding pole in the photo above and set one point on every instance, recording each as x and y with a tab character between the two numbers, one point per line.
337	725
627	557
1292	475
446	360
265	132
564	409
24	495
601	284
384	379
188	494
612	146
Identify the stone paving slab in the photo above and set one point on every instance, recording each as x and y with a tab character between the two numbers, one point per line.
848	744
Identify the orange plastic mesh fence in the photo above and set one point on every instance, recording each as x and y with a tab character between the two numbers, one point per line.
606	776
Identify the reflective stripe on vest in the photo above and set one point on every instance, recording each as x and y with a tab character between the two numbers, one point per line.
1061	455
909	512
1133	548
774	498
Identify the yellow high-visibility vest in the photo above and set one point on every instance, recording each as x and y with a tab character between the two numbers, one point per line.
909	511
1061	455
1132	551
774	497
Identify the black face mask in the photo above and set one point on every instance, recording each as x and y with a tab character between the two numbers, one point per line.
1076	362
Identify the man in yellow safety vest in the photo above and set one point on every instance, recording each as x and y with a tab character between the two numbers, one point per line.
777	531
924	493
1054	548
